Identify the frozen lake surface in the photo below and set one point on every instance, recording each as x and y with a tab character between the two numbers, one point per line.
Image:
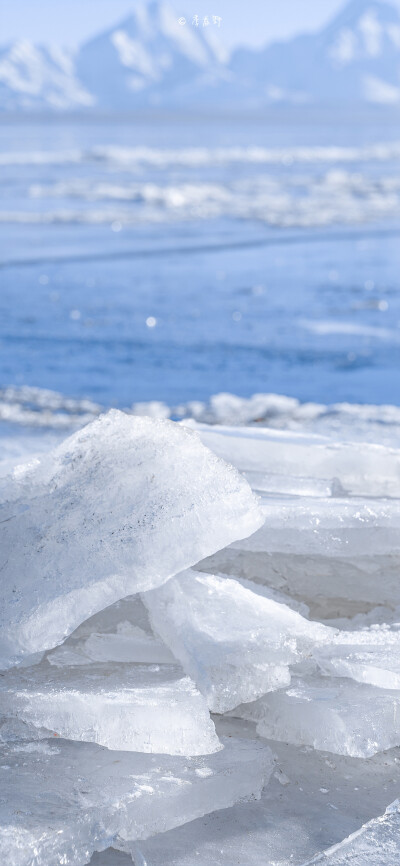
171	259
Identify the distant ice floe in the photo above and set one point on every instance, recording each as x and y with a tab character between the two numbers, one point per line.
336	196
324	327
41	409
204	156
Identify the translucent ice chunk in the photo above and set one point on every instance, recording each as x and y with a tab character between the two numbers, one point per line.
339	716
338	555
274	594
329	527
141	708
292	485
369	656
293	819
362	469
120	506
234	643
375	844
61	801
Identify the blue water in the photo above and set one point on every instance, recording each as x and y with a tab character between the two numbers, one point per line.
121	295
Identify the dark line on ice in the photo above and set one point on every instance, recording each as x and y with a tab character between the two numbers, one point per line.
203	248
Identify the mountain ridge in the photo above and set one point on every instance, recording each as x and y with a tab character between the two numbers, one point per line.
149	59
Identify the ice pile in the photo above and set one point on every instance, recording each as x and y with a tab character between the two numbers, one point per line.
109	512
145	587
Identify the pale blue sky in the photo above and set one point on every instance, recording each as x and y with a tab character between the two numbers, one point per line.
253	22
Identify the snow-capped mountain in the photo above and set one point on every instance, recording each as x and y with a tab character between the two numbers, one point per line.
150	59
39	77
355	58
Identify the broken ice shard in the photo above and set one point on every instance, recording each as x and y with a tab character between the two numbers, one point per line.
337	555
120	506
335	715
141	708
61	801
367	656
361	469
234	643
375	844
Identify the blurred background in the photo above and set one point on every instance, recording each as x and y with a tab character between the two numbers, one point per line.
199	200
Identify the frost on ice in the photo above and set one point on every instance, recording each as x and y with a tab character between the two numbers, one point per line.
120	506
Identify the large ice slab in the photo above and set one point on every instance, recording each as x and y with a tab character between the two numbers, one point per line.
361	469
367	656
329	527
234	643
341	556
336	715
61	801
141	708
313	801
120	506
375	844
